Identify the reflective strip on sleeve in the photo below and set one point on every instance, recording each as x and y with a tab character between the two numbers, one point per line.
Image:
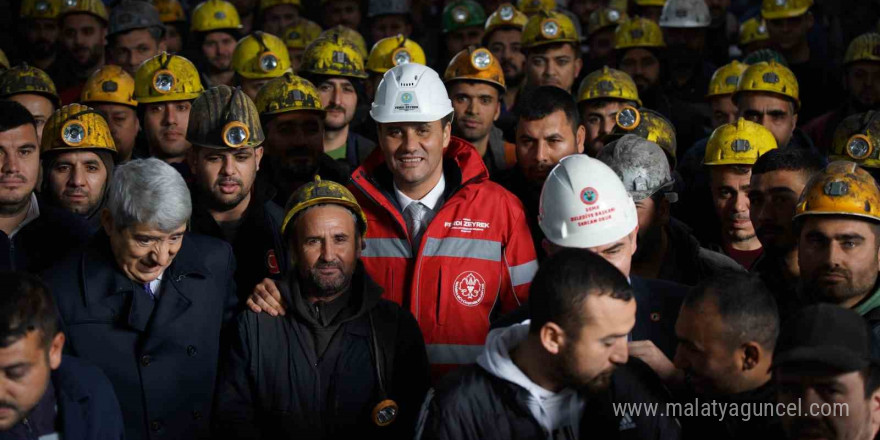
453	354
387	247
463	247
523	273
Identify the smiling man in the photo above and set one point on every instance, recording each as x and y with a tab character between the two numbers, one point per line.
553	58
171	292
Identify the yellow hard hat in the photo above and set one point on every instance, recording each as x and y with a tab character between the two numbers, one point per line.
322	192
865	47
738	143
213	15
224	117
857	139
549	27
76	127
475	64
775	9
167	78
646	124
91	7
352	36
288	93
752	31
4	62
842	188
301	33
27	79
769	77
532	7
40	9
109	84
651	2
394	51
604	18
333	56
725	79
638	32
506	16
608	83
266	4
260	56
170	11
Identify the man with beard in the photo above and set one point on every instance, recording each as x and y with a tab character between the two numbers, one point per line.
341	12
730	154
136	34
463	22
778	179
165	86
824	360
39	26
666	249
344	362
293	119
258	58
600	37
28	228
862	83
685	25
839	240
78	158
601	95
557	374
720	94
111	91
83	35
33	89
228	202
475	84
216	28
174	21
855	140
553	56
389	18
503	36
336	68
387	53
276	15
548	128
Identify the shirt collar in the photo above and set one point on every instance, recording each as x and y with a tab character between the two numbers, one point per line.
431	200
33	212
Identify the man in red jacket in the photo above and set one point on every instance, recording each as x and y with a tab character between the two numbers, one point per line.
444	241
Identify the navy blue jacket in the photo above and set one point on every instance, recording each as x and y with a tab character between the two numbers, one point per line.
161	356
86	402
44	241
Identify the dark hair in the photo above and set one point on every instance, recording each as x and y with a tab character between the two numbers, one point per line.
25	306
561	286
789	159
14	115
156	33
543	101
747	308
544	47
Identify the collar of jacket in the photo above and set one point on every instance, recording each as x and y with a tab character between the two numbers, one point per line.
363	289
203	222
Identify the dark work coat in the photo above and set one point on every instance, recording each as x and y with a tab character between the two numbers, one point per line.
44	241
161	356
357	148
87	406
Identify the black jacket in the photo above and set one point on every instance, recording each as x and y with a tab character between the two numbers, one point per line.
471	403
161	356
515	181
357	148
44	241
271	174
259	250
732	427
273	385
688	263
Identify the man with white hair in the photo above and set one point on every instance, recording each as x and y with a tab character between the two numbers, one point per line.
146	302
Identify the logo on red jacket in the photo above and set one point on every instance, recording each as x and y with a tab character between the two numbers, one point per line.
589	195
272	262
469	288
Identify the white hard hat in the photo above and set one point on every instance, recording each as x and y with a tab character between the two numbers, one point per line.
411	93
685	14
584	204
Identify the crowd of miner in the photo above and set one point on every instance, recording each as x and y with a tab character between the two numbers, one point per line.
330	218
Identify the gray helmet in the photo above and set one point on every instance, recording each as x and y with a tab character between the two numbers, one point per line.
223	117
641	165
134	14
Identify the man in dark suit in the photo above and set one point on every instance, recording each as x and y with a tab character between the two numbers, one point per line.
147	302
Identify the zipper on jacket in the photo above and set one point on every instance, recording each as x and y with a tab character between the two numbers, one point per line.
28	428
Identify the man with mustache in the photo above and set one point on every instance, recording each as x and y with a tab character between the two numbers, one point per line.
44	393
136	34
216	28
730	154
164	88
77	166
601	95
83	36
33	89
475	84
229	203
336	68
28	227
600	36
553	57
111	90
824	362
503	36
40	28
463	22
778	179
837	219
